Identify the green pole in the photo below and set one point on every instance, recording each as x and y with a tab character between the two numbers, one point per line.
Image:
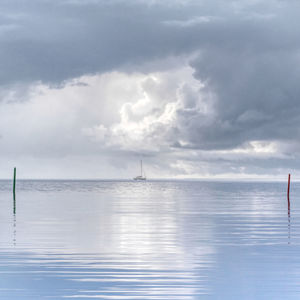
15	173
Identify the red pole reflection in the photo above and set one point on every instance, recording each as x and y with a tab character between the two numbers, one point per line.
289	213
288	192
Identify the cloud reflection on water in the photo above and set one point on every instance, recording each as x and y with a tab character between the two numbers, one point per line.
150	240
124	241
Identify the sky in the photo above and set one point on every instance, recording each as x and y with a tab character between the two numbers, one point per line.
196	89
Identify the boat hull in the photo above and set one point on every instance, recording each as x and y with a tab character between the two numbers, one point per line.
139	178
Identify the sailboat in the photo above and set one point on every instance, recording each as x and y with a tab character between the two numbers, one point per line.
140	177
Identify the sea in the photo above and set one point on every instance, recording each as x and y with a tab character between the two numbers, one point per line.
114	239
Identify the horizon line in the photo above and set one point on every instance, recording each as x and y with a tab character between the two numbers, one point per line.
157	179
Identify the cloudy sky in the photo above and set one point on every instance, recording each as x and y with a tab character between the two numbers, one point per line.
197	89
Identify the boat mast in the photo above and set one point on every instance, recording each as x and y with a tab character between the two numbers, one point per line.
141	168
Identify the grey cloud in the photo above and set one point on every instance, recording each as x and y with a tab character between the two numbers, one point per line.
56	40
258	94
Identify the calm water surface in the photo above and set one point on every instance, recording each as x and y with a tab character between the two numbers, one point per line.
149	240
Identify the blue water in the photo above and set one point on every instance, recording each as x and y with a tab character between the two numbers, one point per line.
149	240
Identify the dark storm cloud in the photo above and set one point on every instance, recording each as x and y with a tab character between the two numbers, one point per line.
56	40
255	77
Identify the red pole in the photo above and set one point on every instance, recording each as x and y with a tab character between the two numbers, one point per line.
288	191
